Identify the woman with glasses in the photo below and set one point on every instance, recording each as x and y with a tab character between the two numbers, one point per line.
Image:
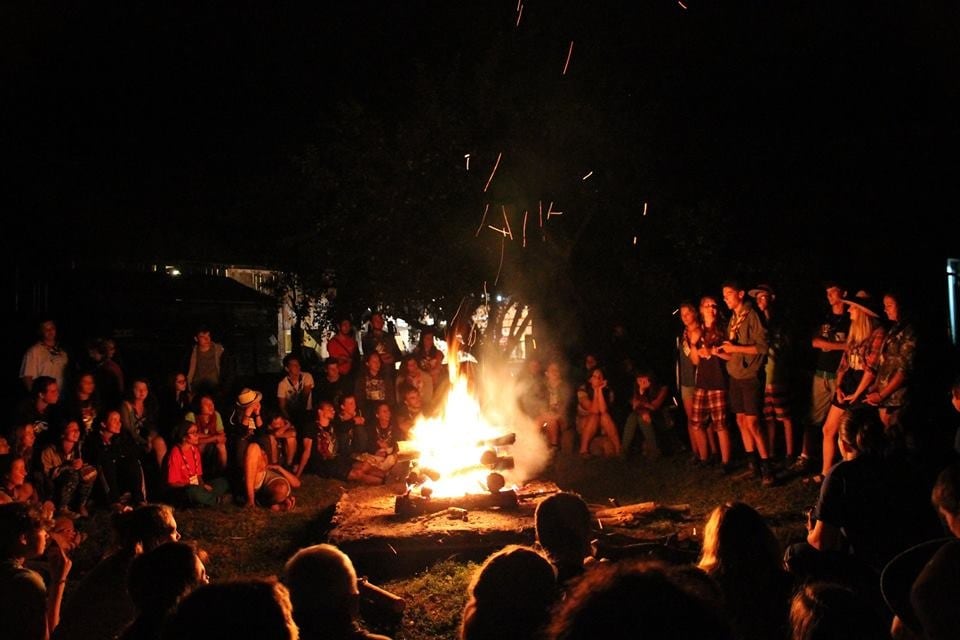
183	471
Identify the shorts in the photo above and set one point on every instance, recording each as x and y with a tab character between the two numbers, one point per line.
746	396
709	405
776	405
851	380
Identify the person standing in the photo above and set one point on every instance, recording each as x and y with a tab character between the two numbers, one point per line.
830	342
44	358
745	351
205	372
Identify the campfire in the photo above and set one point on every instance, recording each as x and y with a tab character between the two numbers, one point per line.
470	456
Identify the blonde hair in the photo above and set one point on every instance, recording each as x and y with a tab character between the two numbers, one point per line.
861	328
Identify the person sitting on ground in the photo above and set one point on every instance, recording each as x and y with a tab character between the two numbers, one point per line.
84	404
29	609
268	484
409	412
648	405
280	430
249	608
510	596
158	580
212	435
13	481
826	611
246	423
595	401
554	417
100	606
325	457
295	391
183	468
42	409
411	375
869	510
936	591
325	594
69	477
373	465
332	386
140	415
117	460
742	554
23	445
563	528
637	599
429	358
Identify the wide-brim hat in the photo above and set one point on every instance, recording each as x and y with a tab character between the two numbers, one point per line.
762	288
896	581
246	397
865	302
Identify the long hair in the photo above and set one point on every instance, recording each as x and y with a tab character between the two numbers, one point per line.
861	328
738	542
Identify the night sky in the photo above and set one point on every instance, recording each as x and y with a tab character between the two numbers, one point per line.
786	143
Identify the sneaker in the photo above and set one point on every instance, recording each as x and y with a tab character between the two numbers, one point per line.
801	465
754	468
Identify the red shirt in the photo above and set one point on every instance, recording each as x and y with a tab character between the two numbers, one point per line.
183	467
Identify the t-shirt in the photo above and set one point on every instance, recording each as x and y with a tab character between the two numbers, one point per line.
877	506
833	328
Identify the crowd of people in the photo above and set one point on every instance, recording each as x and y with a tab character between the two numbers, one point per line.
110	441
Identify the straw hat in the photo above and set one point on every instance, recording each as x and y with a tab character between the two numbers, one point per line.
247	397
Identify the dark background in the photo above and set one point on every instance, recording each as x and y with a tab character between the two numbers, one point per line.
785	142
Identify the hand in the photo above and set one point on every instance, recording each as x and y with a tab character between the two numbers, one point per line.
77	464
60	564
873	398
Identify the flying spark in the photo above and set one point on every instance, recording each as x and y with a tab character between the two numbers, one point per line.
588	175
506	221
482	220
519	14
644	207
503	243
498	230
467	156
682	6
525	228
495	165
567	63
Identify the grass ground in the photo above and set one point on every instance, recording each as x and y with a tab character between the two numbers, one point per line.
256	542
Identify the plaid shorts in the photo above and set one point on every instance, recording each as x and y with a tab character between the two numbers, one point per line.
776	403
709	404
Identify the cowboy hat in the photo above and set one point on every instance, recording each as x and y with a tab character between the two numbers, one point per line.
897	578
762	288
246	397
865	302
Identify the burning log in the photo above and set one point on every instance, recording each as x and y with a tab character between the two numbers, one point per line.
409	505
502	441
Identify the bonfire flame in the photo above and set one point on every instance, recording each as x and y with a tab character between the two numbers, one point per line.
463	443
